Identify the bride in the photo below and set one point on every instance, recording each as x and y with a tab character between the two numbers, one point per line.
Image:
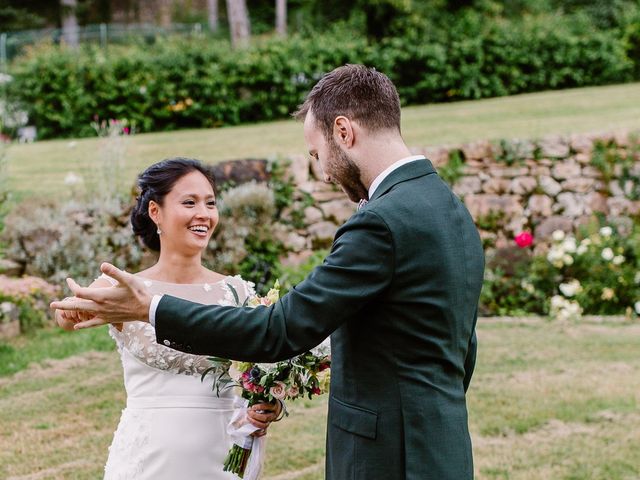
174	425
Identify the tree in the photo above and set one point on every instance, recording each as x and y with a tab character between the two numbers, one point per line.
165	13
212	8
70	30
281	17
238	22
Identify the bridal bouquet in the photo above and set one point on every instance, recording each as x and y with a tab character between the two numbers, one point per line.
304	375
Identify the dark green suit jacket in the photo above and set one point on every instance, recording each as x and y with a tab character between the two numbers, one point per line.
399	295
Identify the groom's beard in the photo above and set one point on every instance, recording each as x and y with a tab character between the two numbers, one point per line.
347	174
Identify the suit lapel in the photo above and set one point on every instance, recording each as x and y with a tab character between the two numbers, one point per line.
411	170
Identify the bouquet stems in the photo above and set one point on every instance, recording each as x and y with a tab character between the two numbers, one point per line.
236	461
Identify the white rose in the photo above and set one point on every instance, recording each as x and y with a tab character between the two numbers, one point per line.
569	244
558	235
569	289
567	259
607	254
636	278
618	260
636	307
581	250
606	232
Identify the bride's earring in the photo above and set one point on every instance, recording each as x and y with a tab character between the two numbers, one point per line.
159	232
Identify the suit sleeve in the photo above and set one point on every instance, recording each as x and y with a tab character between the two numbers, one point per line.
358	269
470	360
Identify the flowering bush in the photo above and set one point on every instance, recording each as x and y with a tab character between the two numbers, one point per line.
594	272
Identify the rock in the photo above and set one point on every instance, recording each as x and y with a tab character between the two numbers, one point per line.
540	170
10	268
596	202
496	185
622	206
591	172
571	204
477	150
550	186
549	225
241	171
509	172
581	144
295	242
554	147
583	158
579	184
523	185
565	170
481	205
439	156
312	215
338	210
467	185
322	234
540	206
299	168
294	259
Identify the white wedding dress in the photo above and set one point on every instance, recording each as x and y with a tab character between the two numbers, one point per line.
174	426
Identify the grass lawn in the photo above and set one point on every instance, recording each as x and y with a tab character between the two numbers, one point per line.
39	169
548	401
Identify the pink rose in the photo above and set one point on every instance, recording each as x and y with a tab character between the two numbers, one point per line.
524	239
278	390
293	391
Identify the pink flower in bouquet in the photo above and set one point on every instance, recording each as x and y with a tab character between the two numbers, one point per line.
524	239
293	391
278	390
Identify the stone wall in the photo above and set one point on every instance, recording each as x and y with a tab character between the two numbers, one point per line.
508	186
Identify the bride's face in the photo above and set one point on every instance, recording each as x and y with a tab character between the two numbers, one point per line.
188	215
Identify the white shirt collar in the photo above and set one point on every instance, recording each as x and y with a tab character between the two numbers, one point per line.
385	173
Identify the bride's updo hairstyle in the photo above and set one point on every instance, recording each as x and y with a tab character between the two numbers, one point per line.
154	184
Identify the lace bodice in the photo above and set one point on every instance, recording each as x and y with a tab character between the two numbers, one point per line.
139	338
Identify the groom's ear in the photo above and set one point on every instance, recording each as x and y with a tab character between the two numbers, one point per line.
343	131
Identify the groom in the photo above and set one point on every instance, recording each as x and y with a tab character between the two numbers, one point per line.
398	294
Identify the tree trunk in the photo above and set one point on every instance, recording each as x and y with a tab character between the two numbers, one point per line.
238	22
212	7
165	13
70	29
281	17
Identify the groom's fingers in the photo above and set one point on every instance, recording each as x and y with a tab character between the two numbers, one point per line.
121	276
96	294
75	304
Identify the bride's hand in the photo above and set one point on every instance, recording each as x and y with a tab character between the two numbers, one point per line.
262	414
66	319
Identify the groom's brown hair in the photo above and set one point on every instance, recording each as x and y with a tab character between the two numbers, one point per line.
359	93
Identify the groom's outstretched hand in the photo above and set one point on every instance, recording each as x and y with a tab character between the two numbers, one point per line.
127	301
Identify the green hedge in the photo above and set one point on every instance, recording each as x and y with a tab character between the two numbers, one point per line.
200	83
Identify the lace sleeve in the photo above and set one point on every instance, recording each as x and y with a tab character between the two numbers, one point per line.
236	287
139	339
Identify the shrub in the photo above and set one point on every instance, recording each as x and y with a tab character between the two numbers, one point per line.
594	272
71	240
178	83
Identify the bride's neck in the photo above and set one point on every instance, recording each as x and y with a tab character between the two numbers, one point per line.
177	268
